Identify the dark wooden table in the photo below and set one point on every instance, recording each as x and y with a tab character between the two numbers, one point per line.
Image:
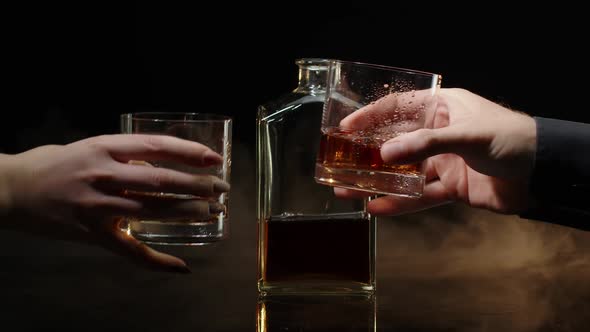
448	269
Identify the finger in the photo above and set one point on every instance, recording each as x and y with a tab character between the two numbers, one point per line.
391	109
126	147
168	208
156	179
423	143
110	236
434	194
351	194
150	205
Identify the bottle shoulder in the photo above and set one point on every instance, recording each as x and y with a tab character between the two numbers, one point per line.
287	103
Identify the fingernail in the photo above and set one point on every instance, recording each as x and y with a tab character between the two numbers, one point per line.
139	162
215	208
220	186
211	157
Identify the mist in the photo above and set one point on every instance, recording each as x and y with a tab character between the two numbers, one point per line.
459	263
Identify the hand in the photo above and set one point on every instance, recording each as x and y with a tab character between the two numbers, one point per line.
479	153
77	191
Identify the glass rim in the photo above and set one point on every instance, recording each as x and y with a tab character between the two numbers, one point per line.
390	68
313	61
318	64
174	117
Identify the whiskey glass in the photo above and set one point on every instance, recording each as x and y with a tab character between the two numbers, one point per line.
367	105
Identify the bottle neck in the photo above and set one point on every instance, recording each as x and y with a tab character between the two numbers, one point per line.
313	75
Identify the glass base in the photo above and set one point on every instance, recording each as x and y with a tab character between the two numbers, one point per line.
371	181
315	288
175	233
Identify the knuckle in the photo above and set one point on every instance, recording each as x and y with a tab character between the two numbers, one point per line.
459	91
158	178
96	140
97	147
153	143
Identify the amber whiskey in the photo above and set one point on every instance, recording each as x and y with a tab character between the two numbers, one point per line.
308	248
352	159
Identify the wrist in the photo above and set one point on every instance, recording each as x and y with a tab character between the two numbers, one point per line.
522	136
530	141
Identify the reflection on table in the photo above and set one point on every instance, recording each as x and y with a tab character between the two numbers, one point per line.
316	313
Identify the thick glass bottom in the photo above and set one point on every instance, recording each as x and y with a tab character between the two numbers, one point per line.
315	288
371	181
176	233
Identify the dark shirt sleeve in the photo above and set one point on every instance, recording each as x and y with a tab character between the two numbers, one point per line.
560	182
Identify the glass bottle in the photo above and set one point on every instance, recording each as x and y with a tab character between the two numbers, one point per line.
309	241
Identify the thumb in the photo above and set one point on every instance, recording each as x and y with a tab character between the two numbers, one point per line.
111	237
420	144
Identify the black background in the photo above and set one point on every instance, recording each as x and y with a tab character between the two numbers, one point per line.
72	68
